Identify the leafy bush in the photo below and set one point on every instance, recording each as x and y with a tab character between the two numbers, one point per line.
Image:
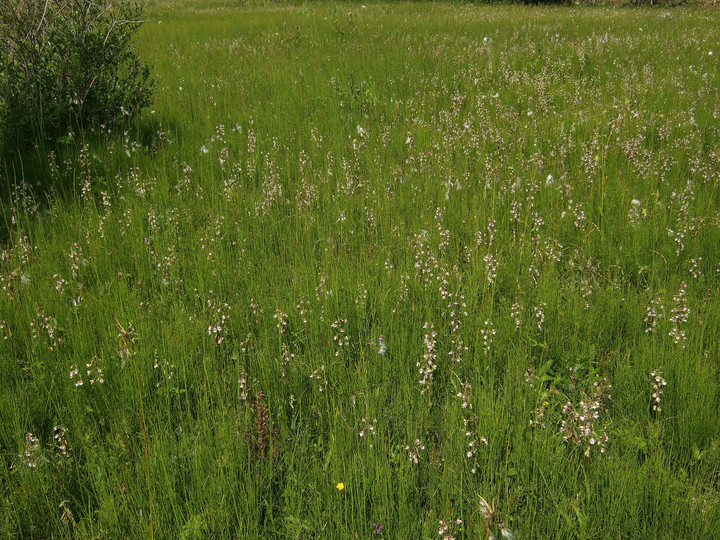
68	65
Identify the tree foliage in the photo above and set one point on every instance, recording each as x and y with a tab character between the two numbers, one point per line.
68	65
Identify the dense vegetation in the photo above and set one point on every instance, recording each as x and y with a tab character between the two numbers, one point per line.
360	270
67	66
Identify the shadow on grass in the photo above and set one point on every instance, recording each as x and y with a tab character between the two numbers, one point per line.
33	178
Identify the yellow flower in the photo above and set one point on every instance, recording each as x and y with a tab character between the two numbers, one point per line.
340	486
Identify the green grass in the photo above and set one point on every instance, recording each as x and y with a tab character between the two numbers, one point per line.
507	193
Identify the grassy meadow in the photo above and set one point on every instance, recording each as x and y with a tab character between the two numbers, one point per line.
394	270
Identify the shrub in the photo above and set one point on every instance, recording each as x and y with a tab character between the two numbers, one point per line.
68	65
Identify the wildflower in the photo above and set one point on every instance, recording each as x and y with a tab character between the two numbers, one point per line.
427	367
465	395
414	452
653	313
444	525
487	333
515	311
377	529
368	428
680	312
319	375
281	319
165	367
382	348
32	447
658	383
242	383
695	269
219	327
540	315
75	374
94	371
59	436
492	266
286	361
340	338
580	423
340	486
